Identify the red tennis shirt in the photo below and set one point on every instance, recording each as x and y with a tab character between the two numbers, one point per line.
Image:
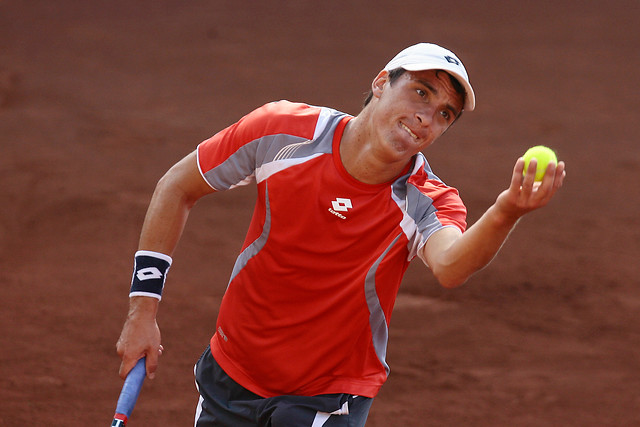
308	304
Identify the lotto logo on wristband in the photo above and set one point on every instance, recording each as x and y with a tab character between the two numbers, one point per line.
149	274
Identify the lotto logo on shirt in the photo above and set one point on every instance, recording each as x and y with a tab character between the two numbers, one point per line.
340	205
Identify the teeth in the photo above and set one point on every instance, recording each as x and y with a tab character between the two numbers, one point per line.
409	130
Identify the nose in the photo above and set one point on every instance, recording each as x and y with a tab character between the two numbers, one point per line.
424	116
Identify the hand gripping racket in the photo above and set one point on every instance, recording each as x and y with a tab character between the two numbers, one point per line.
129	394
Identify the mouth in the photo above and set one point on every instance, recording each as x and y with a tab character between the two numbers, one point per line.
409	131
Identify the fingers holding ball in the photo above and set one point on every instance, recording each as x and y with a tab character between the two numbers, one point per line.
543	156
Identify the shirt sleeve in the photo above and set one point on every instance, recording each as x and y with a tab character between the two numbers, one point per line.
230	158
434	206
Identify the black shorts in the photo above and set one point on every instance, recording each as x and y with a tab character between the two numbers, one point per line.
223	402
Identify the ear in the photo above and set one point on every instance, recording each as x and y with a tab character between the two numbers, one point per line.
377	85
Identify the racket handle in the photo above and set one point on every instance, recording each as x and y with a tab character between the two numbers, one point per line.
129	394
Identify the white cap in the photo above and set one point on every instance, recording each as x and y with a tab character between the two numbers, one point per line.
427	56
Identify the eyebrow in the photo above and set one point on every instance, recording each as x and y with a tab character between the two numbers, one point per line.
433	90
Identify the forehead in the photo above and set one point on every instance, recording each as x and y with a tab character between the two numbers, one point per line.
440	81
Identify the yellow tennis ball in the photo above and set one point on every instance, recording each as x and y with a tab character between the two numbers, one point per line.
544	156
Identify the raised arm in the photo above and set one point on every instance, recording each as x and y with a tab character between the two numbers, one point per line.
453	256
174	196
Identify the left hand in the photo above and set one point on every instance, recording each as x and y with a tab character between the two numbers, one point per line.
524	194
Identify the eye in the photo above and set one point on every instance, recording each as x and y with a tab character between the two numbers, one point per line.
445	114
422	93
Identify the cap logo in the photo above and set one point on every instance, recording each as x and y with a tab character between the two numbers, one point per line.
452	60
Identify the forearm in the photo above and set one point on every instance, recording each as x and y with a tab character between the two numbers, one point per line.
474	249
454	257
165	219
161	231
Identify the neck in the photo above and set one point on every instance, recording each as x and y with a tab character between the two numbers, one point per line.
362	158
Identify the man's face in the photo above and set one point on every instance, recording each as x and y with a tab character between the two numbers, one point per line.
414	110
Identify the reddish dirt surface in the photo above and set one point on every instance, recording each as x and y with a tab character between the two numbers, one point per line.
98	99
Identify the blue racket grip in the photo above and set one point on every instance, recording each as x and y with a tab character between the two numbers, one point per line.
131	389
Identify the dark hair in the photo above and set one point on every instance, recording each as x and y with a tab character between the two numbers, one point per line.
457	86
397	72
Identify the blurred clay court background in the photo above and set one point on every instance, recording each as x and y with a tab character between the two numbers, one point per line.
98	99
